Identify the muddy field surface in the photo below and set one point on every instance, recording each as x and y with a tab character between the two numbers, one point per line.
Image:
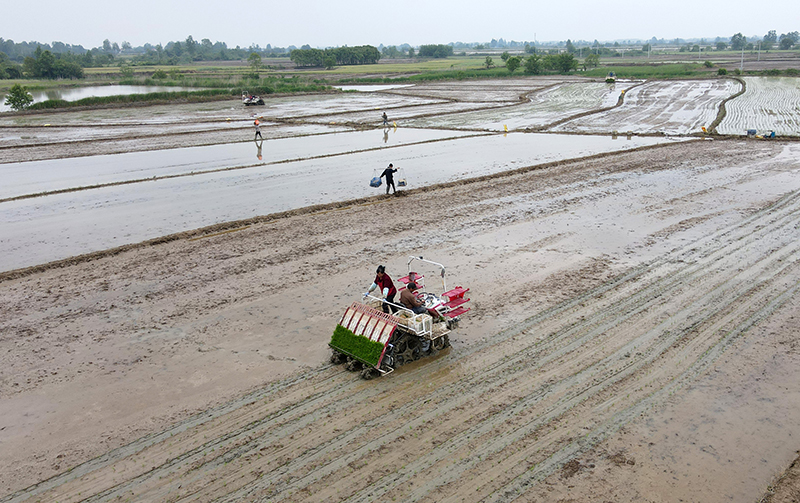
768	104
667	107
633	338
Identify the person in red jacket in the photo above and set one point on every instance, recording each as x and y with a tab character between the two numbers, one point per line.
387	289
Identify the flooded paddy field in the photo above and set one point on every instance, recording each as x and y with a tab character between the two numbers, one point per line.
633	333
768	104
540	108
294	173
672	107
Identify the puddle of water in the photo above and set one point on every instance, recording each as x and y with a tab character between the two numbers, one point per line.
43	229
79	93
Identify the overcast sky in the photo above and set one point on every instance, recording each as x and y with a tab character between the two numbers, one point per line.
324	23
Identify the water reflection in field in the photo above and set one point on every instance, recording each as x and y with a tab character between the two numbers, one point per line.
56	226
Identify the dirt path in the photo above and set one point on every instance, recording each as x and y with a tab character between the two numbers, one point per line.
615	305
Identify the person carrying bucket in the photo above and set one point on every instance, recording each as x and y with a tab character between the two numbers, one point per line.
389	174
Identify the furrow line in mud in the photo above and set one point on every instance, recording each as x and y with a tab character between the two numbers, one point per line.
258	435
232	406
422	419
511	492
664	342
660	339
676	276
195	421
235	442
344	441
698	246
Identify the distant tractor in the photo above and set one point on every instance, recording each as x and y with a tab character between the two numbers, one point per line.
375	343
611	78
249	99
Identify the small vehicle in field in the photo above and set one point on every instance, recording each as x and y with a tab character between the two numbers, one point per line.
375	343
249	99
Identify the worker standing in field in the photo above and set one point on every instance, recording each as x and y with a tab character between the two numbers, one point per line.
256	123
385	286
389	174
385	119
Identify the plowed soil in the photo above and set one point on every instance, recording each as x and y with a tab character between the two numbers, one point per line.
633	337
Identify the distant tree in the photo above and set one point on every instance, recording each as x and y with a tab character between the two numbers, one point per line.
18	97
708	64
435	51
646	48
126	70
411	52
107	45
722	71
126	46
592	60
391	52
530	49
329	61
191	46
565	62
771	37
721	46
738	41
505	56
787	40
512	63
254	60
570	47
533	65
488	62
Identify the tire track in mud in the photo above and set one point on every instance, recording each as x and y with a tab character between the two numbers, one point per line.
502	414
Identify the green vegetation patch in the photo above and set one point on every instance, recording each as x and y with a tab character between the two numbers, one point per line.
664	71
357	346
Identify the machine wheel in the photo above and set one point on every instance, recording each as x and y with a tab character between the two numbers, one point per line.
369	373
337	358
388	363
352	365
441	342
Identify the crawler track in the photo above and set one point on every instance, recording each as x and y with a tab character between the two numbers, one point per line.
504	414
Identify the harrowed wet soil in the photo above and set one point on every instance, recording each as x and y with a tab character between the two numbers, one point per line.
633	337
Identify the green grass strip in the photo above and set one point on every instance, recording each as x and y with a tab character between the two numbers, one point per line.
357	346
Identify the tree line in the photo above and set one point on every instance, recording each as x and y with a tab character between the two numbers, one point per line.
537	64
359	55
